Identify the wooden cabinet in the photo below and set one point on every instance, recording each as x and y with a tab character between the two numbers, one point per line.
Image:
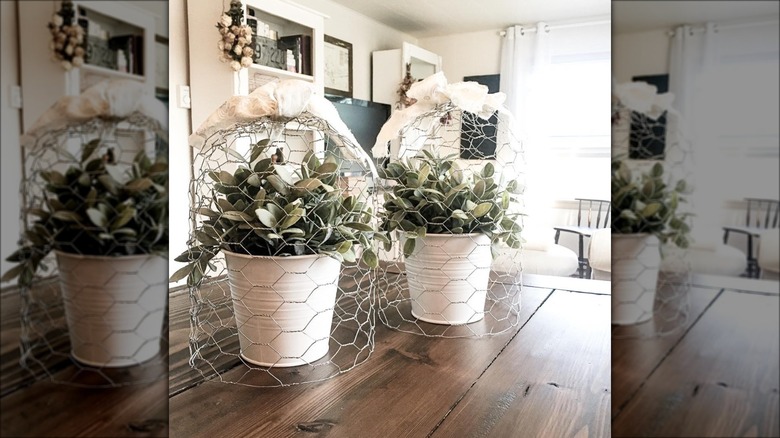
44	80
212	82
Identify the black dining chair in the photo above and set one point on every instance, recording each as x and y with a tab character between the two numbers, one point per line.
762	214
592	214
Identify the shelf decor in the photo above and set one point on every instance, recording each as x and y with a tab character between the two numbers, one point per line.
235	43
452	266
68	39
92	263
279	264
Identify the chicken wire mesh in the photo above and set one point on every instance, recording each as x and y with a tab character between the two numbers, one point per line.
451	208
92	263
279	253
651	278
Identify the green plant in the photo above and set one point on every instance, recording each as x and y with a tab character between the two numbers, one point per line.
262	210
433	195
645	204
96	208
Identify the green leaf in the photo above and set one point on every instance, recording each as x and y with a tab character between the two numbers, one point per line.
488	170
359	226
409	247
54	177
292	218
425	170
482	209
89	149
181	273
278	184
13	273
370	258
139	185
651	209
108	183
308	184
66	216
254	180
266	218
97	217
326	168
237	216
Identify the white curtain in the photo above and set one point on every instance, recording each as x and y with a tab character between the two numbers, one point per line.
557	84
525	54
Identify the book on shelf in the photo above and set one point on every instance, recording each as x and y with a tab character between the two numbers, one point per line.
132	46
300	45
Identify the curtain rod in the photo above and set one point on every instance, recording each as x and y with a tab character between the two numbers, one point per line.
547	27
716	26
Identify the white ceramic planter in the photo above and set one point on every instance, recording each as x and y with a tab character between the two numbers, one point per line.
283	306
114	307
635	262
448	278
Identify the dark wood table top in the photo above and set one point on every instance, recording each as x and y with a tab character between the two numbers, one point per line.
547	377
716	376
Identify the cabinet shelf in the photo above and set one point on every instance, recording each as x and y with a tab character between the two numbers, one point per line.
281	74
114	74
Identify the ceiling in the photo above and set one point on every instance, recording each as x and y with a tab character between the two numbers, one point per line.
444	17
638	16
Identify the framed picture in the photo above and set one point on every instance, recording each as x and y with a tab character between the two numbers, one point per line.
647	140
477	137
338	67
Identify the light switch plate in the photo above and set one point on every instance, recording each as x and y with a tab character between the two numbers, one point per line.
16	97
184	96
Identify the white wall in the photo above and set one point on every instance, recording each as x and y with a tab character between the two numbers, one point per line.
640	53
179	130
10	152
467	54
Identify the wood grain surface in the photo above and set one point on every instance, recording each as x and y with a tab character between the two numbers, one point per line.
720	380
552	380
408	386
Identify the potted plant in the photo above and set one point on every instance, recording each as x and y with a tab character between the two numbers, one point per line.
449	219
107	224
284	235
644	215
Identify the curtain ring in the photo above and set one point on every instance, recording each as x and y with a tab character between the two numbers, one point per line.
546	28
522	31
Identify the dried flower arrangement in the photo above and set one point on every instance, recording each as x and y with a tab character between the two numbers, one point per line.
236	40
67	42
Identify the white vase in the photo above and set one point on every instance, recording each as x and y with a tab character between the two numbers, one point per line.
283	306
635	262
114	306
448	278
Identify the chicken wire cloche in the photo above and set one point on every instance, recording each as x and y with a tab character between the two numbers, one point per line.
451	209
92	260
282	243
652	178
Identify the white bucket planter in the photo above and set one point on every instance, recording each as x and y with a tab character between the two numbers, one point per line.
635	262
114	306
448	278
283	306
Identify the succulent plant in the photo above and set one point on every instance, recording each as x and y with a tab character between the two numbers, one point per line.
433	195
96	208
646	204
266	210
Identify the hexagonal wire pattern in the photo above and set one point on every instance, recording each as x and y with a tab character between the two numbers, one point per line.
277	321
665	309
455	285
88	317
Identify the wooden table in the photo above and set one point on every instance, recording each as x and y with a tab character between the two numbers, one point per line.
42	408
716	376
549	376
